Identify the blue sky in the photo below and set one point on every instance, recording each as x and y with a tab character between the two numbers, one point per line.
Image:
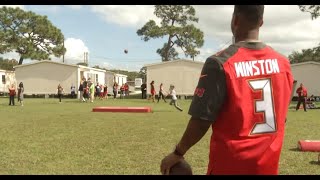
105	31
105	41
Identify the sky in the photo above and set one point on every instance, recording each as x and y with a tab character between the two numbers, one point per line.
104	31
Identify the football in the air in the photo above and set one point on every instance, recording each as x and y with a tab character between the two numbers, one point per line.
181	168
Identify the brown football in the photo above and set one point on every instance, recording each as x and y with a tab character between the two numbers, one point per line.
181	168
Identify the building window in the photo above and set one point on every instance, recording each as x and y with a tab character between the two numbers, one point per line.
97	79
3	79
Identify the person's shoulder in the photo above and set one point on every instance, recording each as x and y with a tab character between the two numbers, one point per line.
222	56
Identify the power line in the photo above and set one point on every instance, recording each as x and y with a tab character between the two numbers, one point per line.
96	58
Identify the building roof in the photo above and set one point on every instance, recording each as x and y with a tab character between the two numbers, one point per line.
43	61
121	75
90	68
110	72
116	74
307	62
54	62
174	61
6	71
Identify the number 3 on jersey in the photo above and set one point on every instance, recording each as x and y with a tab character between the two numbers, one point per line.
265	105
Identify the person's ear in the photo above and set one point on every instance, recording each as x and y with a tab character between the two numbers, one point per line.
261	23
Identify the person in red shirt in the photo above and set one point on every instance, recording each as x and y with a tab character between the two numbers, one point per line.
243	93
153	91
126	89
302	96
122	91
12	93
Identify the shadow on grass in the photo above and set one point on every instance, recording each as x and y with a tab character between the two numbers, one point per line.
295	149
315	162
162	111
7	105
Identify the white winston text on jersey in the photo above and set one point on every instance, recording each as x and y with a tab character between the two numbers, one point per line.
256	67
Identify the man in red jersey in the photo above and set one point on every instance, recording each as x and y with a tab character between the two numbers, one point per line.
243	93
302	97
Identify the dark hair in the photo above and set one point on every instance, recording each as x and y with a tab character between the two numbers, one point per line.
21	84
253	13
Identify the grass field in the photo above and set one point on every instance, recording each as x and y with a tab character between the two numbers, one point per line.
45	137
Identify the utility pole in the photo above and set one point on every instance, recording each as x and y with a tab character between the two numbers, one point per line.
85	57
63	52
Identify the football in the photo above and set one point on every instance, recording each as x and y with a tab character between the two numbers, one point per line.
181	168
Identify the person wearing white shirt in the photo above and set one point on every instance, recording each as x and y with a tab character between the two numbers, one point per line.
174	99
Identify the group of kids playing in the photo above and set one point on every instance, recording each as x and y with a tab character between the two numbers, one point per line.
89	91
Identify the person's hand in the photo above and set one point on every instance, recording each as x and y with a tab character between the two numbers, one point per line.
168	161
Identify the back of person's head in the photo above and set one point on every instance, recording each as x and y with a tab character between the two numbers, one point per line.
248	16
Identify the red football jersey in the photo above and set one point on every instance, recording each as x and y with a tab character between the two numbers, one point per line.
249	130
302	91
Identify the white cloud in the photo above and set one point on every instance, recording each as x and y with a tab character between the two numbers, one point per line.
14	6
75	50
128	15
74	7
285	28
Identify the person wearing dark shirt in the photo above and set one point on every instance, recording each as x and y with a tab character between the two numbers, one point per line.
73	91
85	90
302	95
105	91
144	91
20	93
81	91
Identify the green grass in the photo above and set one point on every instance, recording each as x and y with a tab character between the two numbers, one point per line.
45	137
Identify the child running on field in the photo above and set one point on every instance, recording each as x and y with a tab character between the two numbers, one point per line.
174	98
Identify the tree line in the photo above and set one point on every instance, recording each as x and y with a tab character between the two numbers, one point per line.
8	64
309	54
